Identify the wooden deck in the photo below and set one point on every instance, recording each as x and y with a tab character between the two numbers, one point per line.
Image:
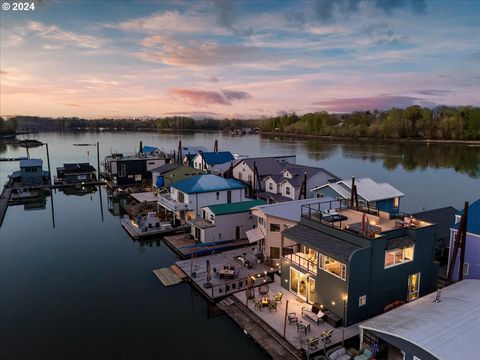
219	288
185	246
260	331
4	198
167	276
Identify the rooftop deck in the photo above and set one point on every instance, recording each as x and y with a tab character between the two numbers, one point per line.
363	221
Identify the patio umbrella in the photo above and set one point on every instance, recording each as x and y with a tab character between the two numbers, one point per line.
208	284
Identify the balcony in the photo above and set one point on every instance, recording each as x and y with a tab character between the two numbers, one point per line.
301	259
167	202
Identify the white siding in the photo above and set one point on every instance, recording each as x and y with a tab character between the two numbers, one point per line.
293	191
152	164
225	227
316	180
275	187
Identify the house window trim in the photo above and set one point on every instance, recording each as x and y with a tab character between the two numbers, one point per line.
321	266
362	300
467	265
405	261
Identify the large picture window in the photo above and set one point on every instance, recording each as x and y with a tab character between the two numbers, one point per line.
399	256
275	227
333	266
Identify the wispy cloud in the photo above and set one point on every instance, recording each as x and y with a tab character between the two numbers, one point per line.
205	98
166	50
59	38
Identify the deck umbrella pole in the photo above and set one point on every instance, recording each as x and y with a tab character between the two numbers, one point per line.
285	322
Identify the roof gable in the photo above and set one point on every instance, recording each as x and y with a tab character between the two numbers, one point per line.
213	158
207	183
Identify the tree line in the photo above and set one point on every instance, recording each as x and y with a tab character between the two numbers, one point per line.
414	122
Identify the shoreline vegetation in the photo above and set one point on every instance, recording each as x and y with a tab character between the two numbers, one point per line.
413	124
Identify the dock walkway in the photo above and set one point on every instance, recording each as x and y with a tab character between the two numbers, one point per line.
267	338
4	199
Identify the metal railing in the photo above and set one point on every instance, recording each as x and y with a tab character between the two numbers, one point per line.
296	258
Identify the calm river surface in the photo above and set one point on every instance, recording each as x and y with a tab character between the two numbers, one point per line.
75	286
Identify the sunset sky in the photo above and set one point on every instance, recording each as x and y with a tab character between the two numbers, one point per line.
237	58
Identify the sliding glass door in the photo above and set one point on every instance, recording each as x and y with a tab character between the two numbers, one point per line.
302	285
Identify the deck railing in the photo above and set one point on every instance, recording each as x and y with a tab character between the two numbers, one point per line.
236	285
299	259
173	205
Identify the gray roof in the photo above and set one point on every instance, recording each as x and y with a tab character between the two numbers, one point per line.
329	245
368	189
278	198
290	210
443	217
265	165
448	329
166	168
31	163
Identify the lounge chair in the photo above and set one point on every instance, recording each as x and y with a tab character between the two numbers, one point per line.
313	313
292	318
338	353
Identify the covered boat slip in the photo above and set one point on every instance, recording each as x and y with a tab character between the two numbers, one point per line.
427	329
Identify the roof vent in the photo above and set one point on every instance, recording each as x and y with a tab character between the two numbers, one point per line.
437	298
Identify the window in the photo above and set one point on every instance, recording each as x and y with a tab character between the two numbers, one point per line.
212	217
274	252
204	214
218	195
123	166
270	186
396	202
260	221
122	173
285	226
413	286
240	176
362	300
466	267
250	178
275	227
287	190
181	197
138	177
319	195
399	256
333	266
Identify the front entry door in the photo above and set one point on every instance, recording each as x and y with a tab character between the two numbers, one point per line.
413	286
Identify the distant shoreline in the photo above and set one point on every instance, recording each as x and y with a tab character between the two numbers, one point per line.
349	138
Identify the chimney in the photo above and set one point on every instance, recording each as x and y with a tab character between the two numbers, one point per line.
352	194
215	146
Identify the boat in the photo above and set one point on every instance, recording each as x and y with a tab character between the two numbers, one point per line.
29	143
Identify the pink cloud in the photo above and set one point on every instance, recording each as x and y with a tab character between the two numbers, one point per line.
205	98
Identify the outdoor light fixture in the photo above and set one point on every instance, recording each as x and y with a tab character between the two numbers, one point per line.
286	280
345	297
333	303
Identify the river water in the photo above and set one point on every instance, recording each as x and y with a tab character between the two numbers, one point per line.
73	285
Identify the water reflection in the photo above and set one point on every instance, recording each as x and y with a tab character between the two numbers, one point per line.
462	158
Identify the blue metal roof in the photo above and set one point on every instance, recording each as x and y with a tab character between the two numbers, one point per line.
473	224
221	157
149	149
207	183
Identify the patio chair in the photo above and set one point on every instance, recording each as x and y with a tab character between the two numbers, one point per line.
278	297
312	343
326	336
258	304
272	306
292	318
302	327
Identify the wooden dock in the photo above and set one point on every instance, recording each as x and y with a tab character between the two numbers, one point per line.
185	246
167	276
137	234
266	337
4	199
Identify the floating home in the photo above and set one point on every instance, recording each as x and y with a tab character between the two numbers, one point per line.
166	175
380	196
228	221
206	160
356	264
130	170
31	173
294	182
244	170
441	325
75	173
189	196
471	265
